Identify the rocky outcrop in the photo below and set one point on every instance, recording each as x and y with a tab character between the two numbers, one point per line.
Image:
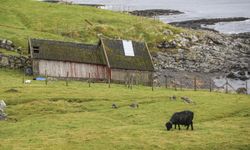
201	23
207	53
155	12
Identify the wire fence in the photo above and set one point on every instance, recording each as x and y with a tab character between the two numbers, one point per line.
178	84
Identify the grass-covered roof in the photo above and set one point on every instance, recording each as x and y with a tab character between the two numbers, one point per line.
117	59
67	51
94	54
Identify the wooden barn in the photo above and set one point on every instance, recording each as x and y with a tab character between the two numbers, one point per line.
117	60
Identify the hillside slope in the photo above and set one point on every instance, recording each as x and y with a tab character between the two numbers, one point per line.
22	19
78	117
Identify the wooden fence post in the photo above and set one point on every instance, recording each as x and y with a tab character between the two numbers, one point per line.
226	86
23	78
109	80
246	87
181	84
89	79
46	76
195	85
152	84
132	81
175	88
67	79
46	79
129	81
166	82
210	85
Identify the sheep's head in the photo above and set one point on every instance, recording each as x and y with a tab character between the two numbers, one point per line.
168	125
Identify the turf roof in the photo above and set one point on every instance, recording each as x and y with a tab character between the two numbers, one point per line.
67	51
94	54
117	59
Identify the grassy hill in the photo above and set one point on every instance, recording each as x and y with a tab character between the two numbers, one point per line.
29	18
79	117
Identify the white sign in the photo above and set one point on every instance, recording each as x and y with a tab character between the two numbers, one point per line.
128	48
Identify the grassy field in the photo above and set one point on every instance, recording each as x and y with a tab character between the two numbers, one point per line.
79	117
29	18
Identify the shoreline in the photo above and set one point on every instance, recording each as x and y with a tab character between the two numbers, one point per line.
201	23
155	12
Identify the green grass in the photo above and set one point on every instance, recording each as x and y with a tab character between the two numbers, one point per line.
8	53
22	19
79	117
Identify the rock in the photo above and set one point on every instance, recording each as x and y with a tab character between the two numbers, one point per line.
7	44
241	91
172	98
134	105
15	62
114	106
166	45
241	75
155	12
2	117
4	62
168	32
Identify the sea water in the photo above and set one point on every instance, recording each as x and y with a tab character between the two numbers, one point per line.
193	9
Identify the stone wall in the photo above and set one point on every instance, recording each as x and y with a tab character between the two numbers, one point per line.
14	62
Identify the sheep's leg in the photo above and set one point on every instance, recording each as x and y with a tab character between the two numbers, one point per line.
187	127
192	126
174	126
179	126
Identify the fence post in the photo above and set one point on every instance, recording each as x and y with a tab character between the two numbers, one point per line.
175	88
181	84
129	81
23	78
166	82
46	80
125	81
152	84
109	79
195	85
89	79
246	87
226	86
210	85
132	81
67	79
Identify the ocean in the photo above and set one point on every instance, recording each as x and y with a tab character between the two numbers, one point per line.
193	9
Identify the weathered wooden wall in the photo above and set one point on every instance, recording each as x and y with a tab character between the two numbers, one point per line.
75	70
142	77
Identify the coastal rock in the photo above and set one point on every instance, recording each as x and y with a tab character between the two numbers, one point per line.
155	12
168	32
209	53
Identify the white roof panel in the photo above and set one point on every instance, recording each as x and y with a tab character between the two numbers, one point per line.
128	48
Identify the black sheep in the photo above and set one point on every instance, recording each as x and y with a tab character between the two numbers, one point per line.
181	118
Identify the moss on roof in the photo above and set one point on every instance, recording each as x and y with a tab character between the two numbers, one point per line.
94	54
117	59
67	51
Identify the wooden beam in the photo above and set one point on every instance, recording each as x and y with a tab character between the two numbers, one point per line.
105	54
31	49
149	55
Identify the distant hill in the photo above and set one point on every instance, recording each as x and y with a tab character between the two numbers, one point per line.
22	19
